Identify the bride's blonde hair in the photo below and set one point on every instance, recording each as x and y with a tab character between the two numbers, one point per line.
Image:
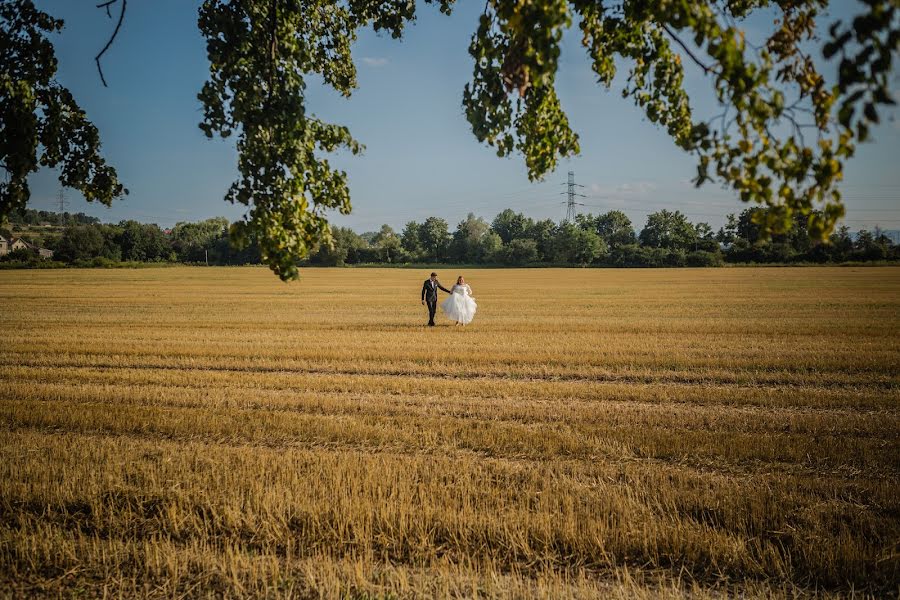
459	280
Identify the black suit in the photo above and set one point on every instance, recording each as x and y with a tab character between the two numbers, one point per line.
429	296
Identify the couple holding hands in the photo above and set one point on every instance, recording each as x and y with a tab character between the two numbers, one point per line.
459	307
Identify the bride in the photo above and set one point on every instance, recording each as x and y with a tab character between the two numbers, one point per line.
460	305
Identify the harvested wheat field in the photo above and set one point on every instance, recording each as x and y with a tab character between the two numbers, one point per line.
194	432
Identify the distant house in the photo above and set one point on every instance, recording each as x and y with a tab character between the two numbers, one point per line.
13	244
18	244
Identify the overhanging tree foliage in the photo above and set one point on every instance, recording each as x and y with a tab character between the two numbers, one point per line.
41	125
780	140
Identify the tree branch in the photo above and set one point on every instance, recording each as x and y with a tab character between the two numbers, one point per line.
106	5
273	45
112	38
706	69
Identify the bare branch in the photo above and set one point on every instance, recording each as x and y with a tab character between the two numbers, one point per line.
706	69
112	38
106	5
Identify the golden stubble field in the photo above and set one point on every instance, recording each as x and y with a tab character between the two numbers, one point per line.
194	432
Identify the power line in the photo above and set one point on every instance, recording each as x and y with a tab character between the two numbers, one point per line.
874	220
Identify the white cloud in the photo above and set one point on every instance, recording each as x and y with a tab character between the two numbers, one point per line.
629	189
638	188
375	61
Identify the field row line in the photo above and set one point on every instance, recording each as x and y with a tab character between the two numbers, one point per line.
832	379
856	400
579	471
761	327
676	415
485	437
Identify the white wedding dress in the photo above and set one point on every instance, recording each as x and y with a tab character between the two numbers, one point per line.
460	305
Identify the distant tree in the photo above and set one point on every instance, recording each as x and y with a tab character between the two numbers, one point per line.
344	248
466	243
435	238
705	239
385	233
411	239
111	248
798	237
747	227
387	245
334	255
192	241
491	248
864	241
224	253
778	252
358	249
28	216
368	236
614	227
673	257
633	255
24	216
701	258
586	221
868	246
347	247
841	245
143	242
79	242
629	255
21	255
577	246
85	219
543	233
510	225
728	233
520	251
758	246
883	241
741	251
670	230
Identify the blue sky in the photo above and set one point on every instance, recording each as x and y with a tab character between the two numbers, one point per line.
421	158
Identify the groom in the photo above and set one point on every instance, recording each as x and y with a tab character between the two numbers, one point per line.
429	295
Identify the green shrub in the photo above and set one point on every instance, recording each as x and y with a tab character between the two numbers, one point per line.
701	258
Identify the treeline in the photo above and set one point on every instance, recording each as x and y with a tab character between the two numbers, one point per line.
87	242
28	216
668	239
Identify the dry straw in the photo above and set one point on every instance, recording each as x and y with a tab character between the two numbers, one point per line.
595	433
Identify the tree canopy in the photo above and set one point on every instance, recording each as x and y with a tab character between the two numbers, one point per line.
261	53
667	239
